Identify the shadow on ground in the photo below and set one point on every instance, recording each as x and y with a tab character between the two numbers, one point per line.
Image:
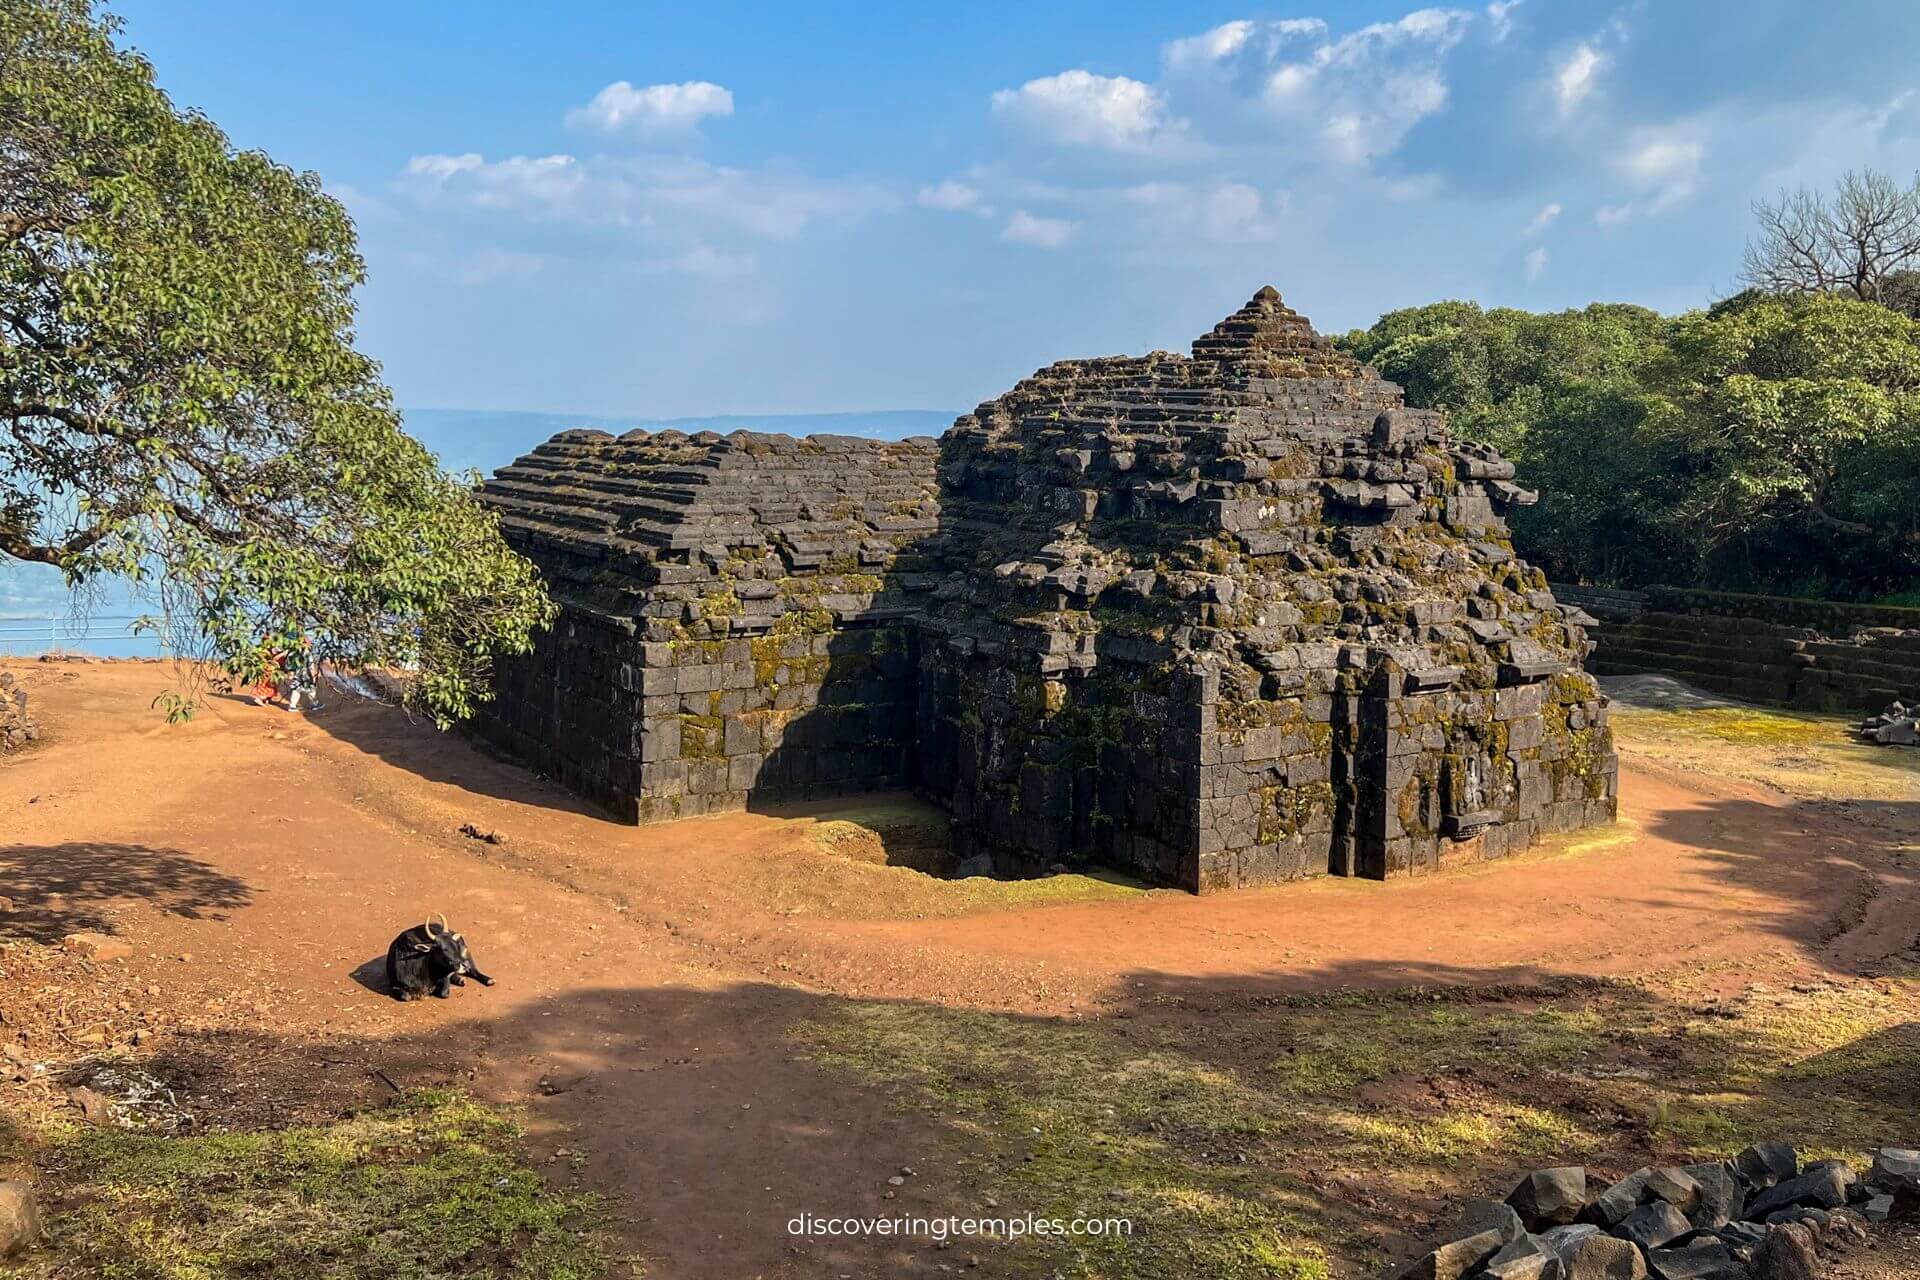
1242	1127
1837	853
415	746
63	888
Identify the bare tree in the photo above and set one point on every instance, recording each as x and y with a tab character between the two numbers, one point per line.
1855	241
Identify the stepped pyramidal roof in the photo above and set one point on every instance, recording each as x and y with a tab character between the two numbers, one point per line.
1212	620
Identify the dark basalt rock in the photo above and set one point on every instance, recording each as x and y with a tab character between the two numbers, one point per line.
1765	1163
1653	1225
1550	1197
1214	620
1822	1186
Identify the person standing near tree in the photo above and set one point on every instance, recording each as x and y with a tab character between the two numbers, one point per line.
301	678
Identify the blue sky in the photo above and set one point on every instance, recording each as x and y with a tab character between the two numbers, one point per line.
645	209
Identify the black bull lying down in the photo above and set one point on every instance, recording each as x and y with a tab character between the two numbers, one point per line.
427	960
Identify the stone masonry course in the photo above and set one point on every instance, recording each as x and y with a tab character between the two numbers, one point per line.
1212	620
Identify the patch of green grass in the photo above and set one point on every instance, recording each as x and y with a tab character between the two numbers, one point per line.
888	859
1213	1130
1077	1128
982	893
1739	725
429	1188
1329	1057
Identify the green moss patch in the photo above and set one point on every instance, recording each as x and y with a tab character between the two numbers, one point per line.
432	1186
1739	725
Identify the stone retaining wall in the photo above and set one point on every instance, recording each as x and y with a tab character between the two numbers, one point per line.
1816	654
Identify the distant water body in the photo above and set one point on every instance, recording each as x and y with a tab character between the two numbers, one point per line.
37	612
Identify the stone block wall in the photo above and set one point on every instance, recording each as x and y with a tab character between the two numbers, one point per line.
1211	620
572	709
734	616
784	715
1815	654
1040	771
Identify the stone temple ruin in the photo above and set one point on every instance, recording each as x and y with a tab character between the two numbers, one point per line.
1209	621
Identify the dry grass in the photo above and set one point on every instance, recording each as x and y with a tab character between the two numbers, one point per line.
1799	753
1222	1144
432	1186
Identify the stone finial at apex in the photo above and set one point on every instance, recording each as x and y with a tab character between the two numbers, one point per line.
1268	339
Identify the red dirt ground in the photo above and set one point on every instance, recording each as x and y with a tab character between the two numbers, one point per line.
647	977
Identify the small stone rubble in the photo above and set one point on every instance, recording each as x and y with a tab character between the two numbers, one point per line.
16	726
1897	726
1760	1216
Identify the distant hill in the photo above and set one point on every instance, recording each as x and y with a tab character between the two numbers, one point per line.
35	605
485	439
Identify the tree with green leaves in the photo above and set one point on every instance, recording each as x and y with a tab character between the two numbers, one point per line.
1796	425
181	403
1768	443
1562	395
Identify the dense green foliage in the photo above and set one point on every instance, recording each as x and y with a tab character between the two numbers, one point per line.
1771	443
181	402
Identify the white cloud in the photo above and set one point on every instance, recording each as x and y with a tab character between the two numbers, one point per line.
1544	219
644	192
1358	93
1663	164
1243	38
1227	212
1042	233
705	260
1083	109
525	183
1576	76
658	108
955	196
1613	214
1536	263
1663	161
445	166
1500	18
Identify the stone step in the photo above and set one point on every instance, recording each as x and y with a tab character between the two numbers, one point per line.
1691	647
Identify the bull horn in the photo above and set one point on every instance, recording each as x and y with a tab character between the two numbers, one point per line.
443	924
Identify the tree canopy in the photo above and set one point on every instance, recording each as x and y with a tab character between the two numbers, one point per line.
1767	444
181	402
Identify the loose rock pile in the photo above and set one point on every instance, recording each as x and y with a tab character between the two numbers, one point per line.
16	726
1896	726
1759	1216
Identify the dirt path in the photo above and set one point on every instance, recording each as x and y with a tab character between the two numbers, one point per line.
650	979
